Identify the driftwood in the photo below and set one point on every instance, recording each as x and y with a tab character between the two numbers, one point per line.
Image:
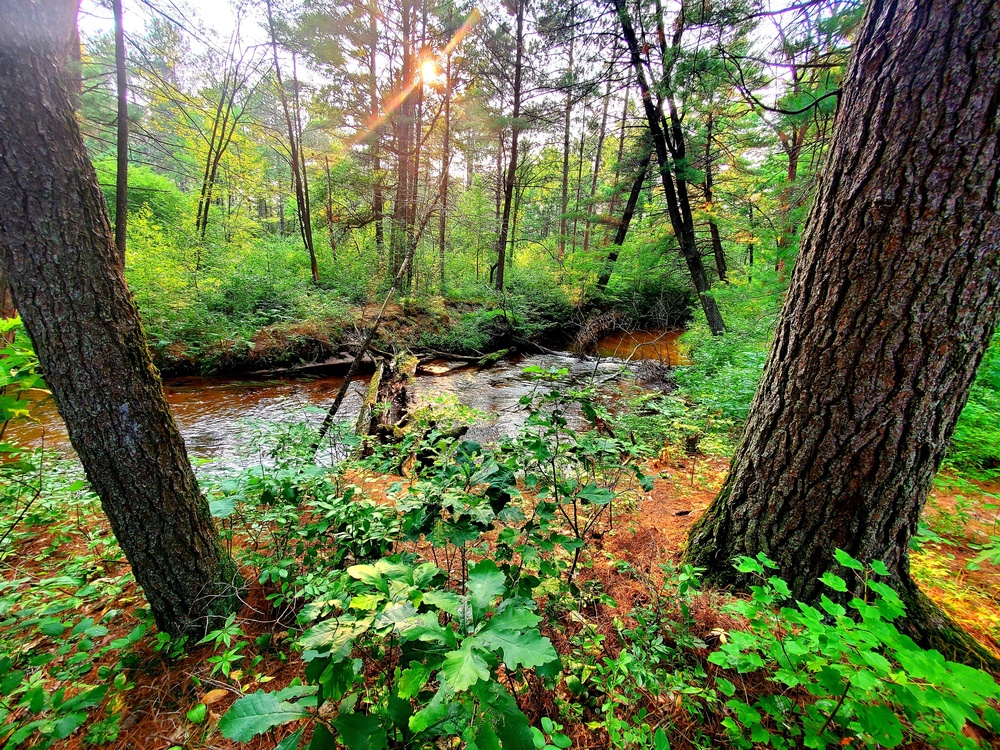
356	364
481	360
363	426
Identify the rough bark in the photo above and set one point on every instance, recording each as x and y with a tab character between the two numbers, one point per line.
892	302
58	254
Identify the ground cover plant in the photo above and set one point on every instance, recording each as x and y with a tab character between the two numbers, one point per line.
501	593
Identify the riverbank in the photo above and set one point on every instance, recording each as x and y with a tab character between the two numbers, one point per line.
466	329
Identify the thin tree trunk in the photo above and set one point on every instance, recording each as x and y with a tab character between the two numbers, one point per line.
567	121
57	251
306	209
675	192
501	180
305	220
403	120
713	228
893	300
515	127
445	163
597	167
579	182
627	214
378	201
121	179
616	191
329	208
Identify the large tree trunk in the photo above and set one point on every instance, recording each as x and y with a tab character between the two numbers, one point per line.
893	300
58	255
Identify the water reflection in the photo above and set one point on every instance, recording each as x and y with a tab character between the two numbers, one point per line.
219	416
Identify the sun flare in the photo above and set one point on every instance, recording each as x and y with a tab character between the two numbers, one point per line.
429	72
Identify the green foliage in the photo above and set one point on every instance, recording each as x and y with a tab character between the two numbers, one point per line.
147	190
59	667
652	300
444	680
840	676
975	444
530	308
19	375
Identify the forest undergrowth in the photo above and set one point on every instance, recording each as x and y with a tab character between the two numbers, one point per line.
529	593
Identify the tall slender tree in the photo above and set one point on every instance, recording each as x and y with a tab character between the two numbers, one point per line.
121	178
510	178
664	121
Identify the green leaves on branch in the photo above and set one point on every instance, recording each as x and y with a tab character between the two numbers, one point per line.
861	679
450	648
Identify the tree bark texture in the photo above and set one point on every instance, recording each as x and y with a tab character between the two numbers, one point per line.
892	302
59	257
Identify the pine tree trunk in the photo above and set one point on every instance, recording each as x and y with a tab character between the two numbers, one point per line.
58	255
515	127
892	302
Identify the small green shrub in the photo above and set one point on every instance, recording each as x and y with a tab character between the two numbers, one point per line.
845	678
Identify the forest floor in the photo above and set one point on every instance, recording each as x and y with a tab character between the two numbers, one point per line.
157	705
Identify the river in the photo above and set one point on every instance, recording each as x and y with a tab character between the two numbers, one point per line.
219	416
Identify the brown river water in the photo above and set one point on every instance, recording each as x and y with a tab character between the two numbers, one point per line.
219	416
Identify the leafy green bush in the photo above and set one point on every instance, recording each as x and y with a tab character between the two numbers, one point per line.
441	653
661	301
975	444
842	677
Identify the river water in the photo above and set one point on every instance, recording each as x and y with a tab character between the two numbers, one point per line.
219	416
